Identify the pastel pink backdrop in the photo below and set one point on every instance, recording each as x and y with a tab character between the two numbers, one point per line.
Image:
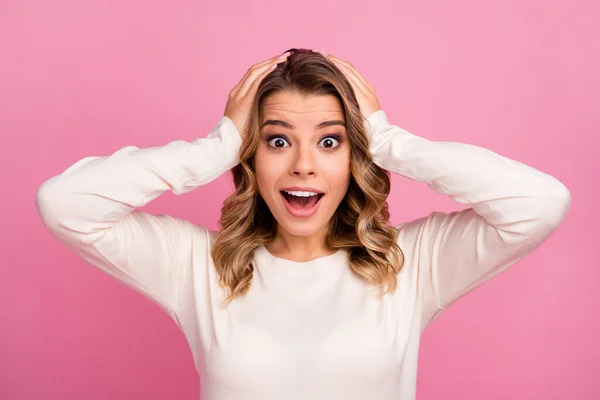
82	78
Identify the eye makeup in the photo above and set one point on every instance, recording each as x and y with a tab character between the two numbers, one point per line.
270	137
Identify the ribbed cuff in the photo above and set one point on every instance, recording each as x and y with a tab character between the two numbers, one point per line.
376	122
231	136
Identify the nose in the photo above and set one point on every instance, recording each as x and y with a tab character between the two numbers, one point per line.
303	163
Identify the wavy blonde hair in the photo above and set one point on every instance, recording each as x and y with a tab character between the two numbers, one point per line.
360	224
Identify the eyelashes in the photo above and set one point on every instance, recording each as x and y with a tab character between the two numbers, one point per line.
282	137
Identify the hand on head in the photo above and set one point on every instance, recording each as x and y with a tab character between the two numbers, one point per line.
240	98
363	90
239	102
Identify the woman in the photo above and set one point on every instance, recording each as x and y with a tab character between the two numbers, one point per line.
282	302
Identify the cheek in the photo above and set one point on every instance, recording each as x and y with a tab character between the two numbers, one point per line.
340	180
338	175
266	174
261	178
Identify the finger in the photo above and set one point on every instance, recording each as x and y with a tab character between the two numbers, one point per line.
242	87
353	78
351	69
256	69
254	87
354	72
270	61
320	52
256	75
338	61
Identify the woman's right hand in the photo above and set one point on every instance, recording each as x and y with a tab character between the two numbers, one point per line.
241	96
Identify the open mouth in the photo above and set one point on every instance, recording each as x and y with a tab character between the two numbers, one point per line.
302	203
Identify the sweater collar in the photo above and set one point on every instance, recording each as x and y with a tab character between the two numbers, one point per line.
337	259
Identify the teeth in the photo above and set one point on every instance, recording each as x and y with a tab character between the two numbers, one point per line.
301	194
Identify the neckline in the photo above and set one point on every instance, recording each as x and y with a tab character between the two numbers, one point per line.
329	261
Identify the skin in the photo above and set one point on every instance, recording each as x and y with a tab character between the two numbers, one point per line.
304	160
305	157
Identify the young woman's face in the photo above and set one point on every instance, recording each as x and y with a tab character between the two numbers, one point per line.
297	151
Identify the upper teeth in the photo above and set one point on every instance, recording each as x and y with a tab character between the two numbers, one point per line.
301	194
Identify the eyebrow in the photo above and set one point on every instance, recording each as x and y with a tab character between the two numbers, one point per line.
320	126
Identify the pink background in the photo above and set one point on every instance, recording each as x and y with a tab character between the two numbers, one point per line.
82	78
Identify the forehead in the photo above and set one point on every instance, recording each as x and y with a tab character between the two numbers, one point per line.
300	111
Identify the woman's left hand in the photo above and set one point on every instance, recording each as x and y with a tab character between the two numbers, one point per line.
365	92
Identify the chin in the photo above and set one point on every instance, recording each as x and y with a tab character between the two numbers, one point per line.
300	228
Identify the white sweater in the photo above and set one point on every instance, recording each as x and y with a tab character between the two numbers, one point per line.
306	330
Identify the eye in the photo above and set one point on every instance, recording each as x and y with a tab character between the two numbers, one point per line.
277	141
329	142
280	141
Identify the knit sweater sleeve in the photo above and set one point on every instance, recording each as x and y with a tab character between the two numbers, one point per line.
513	208
91	208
